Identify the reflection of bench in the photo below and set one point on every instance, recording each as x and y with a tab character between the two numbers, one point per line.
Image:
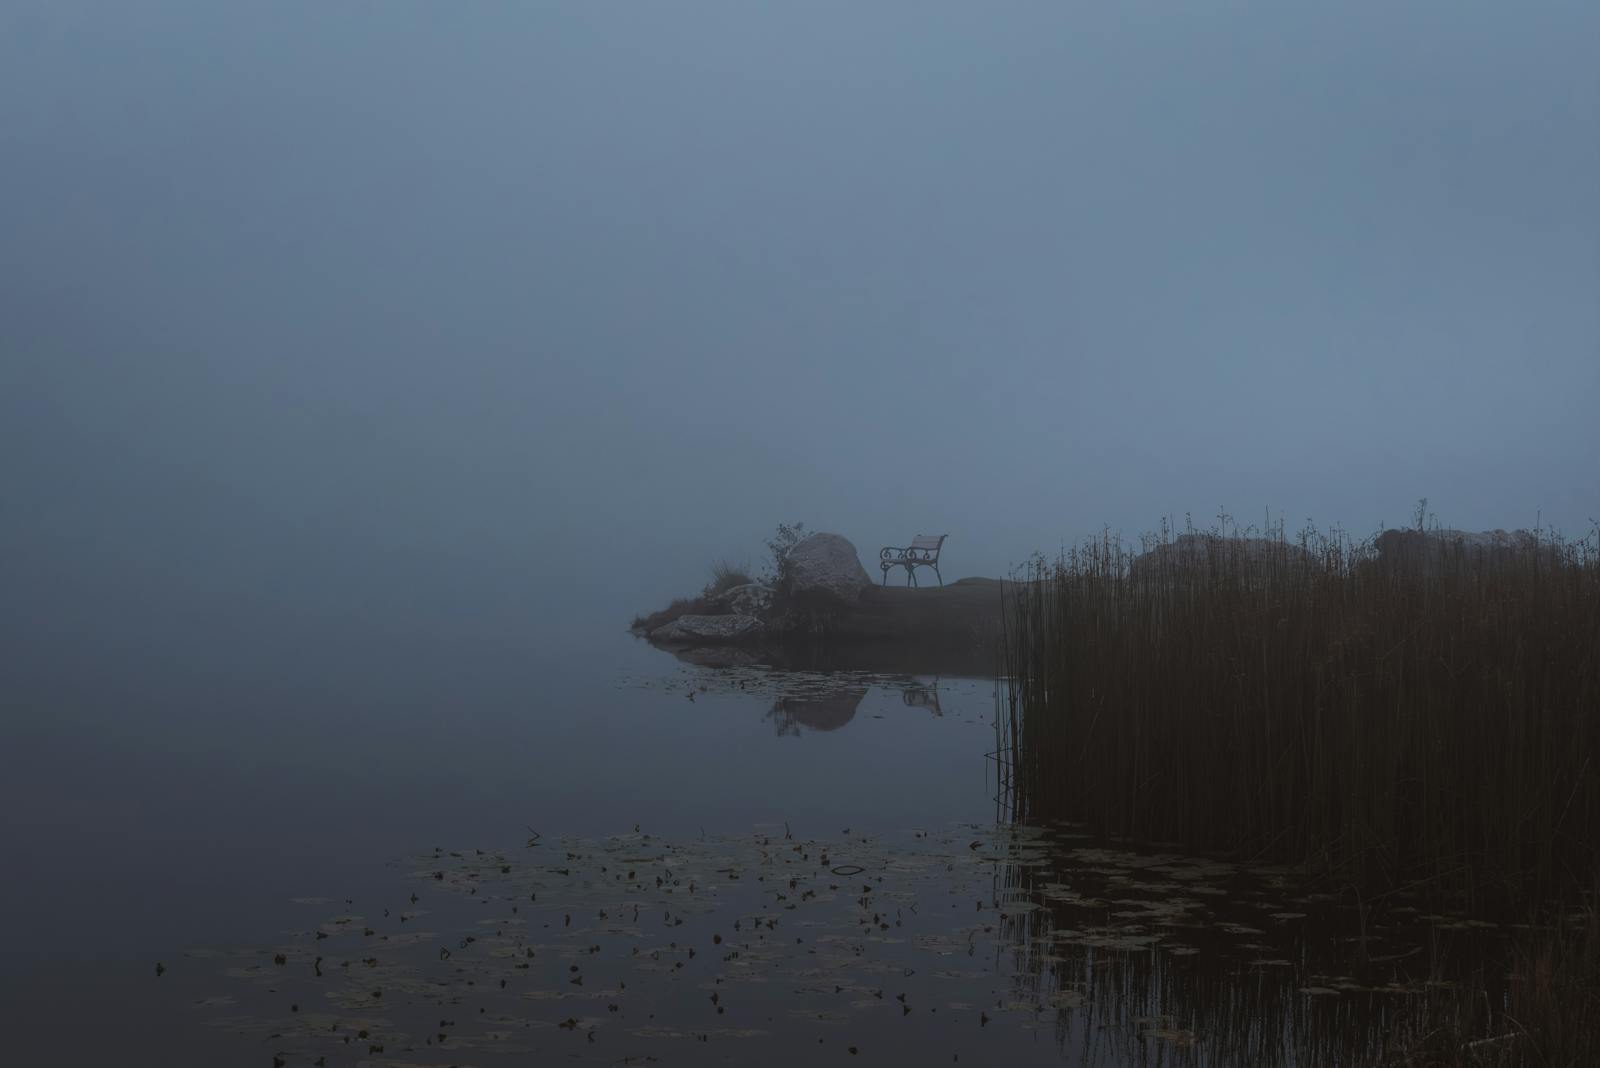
923	697
922	552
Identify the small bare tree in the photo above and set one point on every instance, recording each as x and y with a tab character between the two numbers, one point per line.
784	539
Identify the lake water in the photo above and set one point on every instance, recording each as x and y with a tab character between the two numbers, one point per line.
287	790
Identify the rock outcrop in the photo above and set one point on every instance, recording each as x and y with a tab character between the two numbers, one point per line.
823	569
751	599
826	610
692	630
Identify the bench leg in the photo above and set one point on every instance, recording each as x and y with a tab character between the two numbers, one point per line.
936	572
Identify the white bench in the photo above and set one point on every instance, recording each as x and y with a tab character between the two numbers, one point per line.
922	552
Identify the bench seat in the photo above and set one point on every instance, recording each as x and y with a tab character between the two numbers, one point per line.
922	552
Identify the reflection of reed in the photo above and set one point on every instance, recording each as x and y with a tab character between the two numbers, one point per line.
1154	1000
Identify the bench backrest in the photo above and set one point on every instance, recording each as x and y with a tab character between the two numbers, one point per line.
928	541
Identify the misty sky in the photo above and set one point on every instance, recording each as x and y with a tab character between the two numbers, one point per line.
527	300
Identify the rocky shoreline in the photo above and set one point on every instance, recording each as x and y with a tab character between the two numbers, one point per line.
825	608
823	598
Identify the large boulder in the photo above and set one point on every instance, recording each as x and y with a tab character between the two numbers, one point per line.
1190	557
1431	552
705	630
823	569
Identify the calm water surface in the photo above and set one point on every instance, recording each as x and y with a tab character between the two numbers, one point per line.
221	793
175	781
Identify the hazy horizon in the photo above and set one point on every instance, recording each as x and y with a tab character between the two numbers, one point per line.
566	302
365	368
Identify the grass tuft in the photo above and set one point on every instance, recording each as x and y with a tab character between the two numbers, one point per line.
725	576
681	606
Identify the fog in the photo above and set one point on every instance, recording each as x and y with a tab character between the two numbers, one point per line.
366	367
473	321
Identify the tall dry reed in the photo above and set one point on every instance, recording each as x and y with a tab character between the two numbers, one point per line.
1384	720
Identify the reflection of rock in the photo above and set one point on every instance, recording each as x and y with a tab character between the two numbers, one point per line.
1199	555
719	656
697	629
958	658
823	569
825	713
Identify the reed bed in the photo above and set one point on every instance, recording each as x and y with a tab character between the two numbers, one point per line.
1548	1011
1427	723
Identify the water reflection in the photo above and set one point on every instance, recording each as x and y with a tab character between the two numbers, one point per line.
919	695
830	710
970	942
1131	952
946	658
825	713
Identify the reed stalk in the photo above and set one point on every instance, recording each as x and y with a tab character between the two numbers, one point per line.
1309	701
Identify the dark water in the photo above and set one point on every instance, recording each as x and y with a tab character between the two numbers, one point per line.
174	780
213	810
976	942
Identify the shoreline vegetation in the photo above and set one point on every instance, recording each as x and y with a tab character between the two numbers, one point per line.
725	576
815	604
1412	721
952	631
